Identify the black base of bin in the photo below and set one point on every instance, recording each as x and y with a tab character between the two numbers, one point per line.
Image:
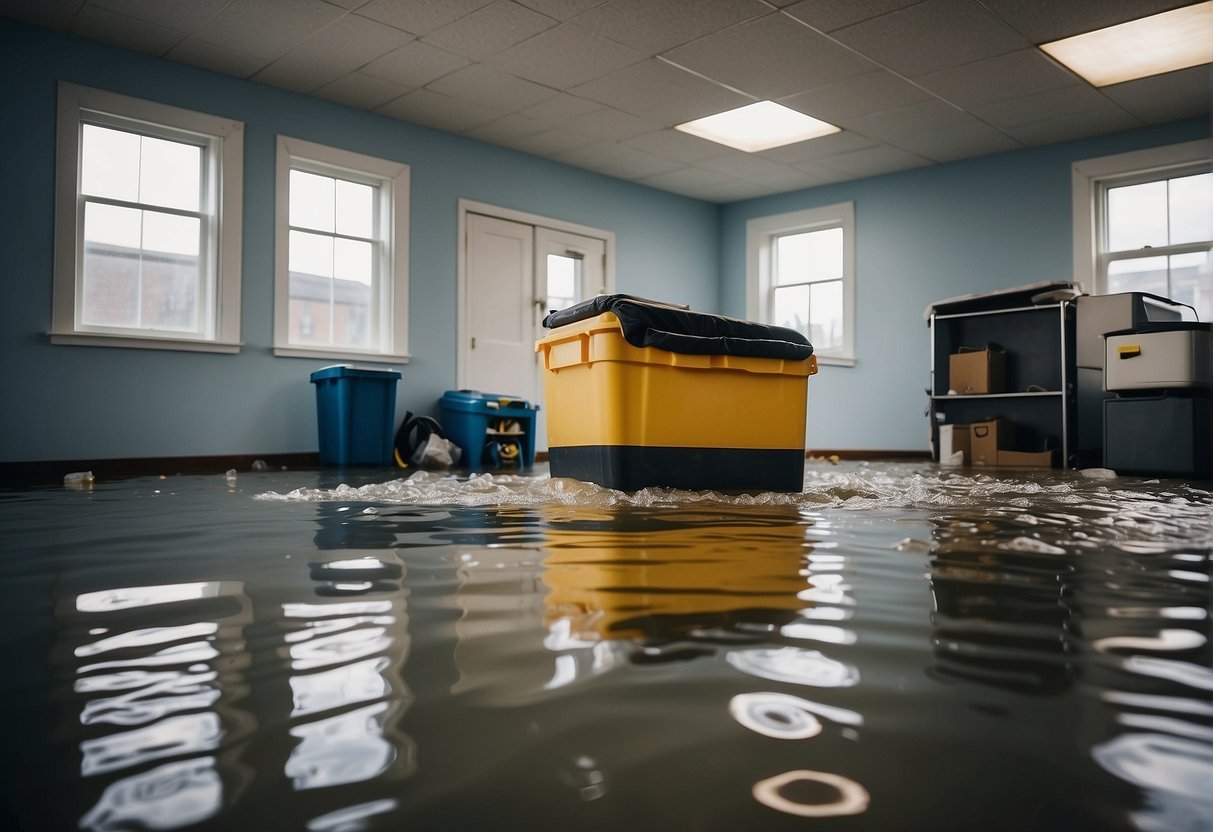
632	467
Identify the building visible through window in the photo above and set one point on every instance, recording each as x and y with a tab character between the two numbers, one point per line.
342	271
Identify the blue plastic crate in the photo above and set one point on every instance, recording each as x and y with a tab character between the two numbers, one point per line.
469	418
355	414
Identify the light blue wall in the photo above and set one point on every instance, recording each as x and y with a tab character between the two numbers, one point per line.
75	402
922	236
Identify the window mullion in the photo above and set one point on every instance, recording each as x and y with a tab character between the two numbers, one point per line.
144	206
352	237
1158	251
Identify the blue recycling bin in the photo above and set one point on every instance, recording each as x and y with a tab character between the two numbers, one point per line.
355	414
492	430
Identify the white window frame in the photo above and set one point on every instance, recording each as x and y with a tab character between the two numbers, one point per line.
761	233
223	146
1091	179
392	292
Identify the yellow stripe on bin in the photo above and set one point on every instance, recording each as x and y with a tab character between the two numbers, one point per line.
601	390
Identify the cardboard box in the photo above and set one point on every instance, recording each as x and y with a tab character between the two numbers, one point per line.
974	372
990	437
1027	459
954	439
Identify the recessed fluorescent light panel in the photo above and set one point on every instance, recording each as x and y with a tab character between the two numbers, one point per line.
1151	45
759	126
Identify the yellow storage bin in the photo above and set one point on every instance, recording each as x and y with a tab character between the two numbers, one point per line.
627	416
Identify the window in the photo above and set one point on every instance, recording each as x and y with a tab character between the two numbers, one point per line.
1144	223
341	257
800	274
147	224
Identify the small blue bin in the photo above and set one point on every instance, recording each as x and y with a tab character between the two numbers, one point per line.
355	412
470	419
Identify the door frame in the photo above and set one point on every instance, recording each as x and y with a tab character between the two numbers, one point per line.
468	206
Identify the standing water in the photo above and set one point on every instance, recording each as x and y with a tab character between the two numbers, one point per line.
897	647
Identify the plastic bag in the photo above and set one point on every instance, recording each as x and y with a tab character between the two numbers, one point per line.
436	452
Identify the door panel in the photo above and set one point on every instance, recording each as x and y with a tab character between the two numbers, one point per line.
500	287
513	272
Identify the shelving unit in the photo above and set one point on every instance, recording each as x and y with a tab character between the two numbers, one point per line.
1038	341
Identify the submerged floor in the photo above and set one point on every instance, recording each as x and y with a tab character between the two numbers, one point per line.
898	646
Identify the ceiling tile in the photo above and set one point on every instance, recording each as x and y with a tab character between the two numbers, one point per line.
482	85
819	148
788	179
552	141
616	160
1076	125
187	16
441	111
561	9
859	96
600	83
873	161
1004	77
563	57
507	129
1041	106
268	28
362	91
127	32
216	58
957	141
1160	98
675	145
489	30
1042	21
419	17
693	182
560	108
771	57
828	15
741	165
414	65
52	14
332	52
823	175
657	90
655	27
607	124
930	36
924	116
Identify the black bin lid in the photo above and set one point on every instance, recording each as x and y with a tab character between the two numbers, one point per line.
675	329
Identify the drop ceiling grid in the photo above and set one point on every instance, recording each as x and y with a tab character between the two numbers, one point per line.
910	81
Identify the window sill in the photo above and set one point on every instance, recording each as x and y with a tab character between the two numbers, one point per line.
341	355
836	360
96	339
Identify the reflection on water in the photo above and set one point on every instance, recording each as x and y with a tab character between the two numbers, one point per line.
152	690
896	642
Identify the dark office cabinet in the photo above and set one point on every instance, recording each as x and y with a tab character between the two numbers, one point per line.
1169	435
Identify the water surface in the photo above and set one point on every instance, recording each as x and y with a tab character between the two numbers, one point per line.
898	646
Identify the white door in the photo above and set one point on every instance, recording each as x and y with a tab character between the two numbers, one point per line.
515	272
499	306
